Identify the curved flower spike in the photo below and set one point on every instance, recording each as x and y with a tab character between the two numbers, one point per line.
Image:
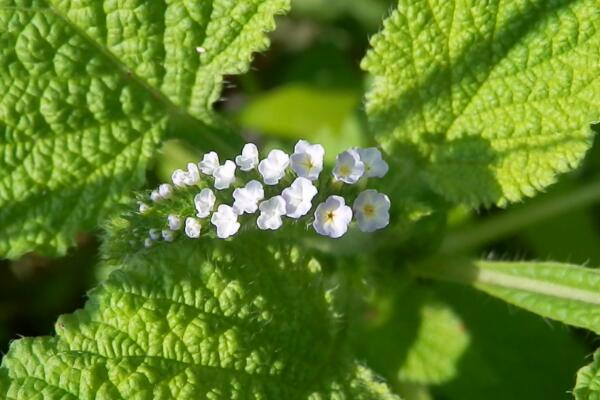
375	166
224	175
307	160
192	227
209	163
225	219
348	167
247	198
204	202
273	167
332	217
372	210
298	197
248	160
271	212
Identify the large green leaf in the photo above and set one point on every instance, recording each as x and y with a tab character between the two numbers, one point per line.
563	292
491	99
588	380
87	90
184	322
512	354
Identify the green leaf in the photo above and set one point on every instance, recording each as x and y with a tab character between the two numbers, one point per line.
428	337
588	380
88	91
493	99
563	292
512	354
185	322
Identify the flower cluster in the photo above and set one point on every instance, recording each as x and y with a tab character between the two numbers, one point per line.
300	173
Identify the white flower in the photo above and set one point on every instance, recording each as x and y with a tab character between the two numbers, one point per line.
192	177
155	196
165	190
225	219
270	213
372	210
375	166
209	163
174	222
179	177
154	234
307	160
144	208
249	158
192	227
224	175
148	243
273	167
298	197
348	167
332	217
204	202
168	235
247	198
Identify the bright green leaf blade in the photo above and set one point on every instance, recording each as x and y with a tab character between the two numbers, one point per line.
588	380
189	323
87	90
427	337
506	343
563	292
492	99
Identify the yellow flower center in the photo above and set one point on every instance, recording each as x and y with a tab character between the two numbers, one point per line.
369	210
345	170
330	216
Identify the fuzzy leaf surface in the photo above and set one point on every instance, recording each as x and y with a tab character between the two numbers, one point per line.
89	88
490	99
588	380
185	322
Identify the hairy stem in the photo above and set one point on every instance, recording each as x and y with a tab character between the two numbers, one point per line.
506	223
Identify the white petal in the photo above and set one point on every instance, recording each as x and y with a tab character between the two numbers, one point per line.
179	177
372	210
155	196
204	202
248	160
375	166
193	175
225	219
154	234
192	227
168	235
165	190
247	198
209	163
332	217
224	175
307	160
174	222
348	167
270	213
273	167
144	208
298	197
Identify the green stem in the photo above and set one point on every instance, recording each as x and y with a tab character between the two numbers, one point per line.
506	223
